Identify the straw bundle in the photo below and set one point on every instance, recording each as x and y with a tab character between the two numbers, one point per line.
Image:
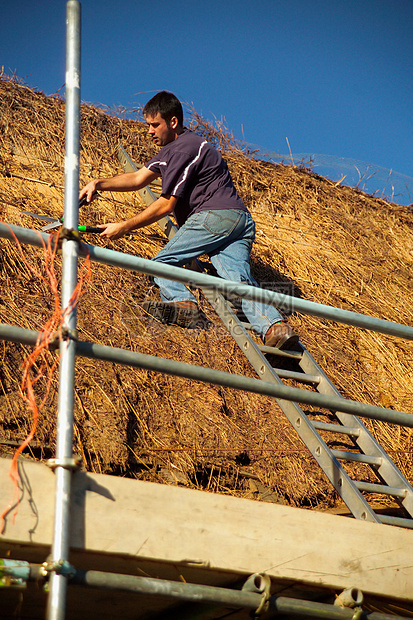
316	239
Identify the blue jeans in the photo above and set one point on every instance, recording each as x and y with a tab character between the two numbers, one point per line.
226	236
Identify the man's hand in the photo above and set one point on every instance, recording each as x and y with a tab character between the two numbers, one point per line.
113	231
89	191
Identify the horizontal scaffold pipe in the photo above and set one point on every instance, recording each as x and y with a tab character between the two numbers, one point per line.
213	595
218	377
202	280
196	593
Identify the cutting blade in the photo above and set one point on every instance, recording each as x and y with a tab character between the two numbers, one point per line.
40	217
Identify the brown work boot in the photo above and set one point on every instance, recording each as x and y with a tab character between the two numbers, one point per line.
281	336
182	313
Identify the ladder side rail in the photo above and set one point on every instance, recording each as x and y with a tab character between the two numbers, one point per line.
365	439
331	466
388	472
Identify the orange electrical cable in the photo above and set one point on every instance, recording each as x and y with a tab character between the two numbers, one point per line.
52	328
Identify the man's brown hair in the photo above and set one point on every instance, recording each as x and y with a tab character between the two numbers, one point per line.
165	104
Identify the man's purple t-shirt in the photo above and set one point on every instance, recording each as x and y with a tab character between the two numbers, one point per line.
194	172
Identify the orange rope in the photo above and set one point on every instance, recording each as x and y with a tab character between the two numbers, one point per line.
52	328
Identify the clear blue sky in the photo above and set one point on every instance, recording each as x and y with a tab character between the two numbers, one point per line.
334	77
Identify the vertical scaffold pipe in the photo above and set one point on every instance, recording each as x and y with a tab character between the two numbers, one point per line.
64	434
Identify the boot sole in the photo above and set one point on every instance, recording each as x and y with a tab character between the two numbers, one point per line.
286	342
171	314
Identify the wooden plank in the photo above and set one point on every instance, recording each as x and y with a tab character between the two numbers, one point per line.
189	528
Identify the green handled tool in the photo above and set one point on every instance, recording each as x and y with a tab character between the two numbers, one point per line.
85	229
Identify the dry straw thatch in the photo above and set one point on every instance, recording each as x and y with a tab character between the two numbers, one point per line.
324	242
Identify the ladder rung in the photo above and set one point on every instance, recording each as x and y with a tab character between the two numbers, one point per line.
336	428
357	456
296	355
380	488
299	376
389	520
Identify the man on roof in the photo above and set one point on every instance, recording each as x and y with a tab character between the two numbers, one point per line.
198	189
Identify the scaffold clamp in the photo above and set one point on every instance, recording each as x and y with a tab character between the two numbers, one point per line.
60	567
261	584
73	463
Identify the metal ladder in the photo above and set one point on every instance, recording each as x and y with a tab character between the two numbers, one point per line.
268	362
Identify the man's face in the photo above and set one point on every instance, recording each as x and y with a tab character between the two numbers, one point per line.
162	132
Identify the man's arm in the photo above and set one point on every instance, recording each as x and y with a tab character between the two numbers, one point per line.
153	213
127	182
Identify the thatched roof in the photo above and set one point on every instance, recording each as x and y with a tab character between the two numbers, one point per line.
324	242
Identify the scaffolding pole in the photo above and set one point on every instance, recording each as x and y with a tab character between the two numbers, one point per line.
248	597
254	595
226	287
116	355
63	463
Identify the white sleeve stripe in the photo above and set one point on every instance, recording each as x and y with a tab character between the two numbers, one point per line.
160	163
185	173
